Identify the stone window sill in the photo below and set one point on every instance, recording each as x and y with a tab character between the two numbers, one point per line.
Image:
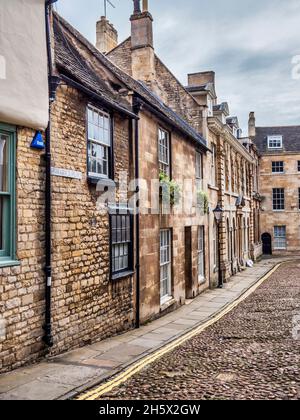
213	187
7	262
167	303
119	276
105	182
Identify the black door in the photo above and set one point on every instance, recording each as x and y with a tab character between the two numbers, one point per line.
267	244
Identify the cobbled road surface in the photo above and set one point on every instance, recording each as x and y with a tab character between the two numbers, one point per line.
251	353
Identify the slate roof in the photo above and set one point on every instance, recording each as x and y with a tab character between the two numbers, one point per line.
70	61
222	107
232	121
290	135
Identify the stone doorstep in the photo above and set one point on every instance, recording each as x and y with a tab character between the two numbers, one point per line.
58	385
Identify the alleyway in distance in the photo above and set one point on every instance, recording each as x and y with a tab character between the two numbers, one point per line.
251	353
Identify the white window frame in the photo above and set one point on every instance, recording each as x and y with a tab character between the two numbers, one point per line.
213	165
105	129
278	199
201	255
277	166
165	265
215	246
199	176
272	142
280	238
164	145
210	104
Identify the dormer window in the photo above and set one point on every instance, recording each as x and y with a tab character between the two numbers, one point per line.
274	142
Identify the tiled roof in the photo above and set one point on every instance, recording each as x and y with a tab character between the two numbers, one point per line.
69	59
71	63
290	136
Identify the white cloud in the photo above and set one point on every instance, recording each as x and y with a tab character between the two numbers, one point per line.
250	45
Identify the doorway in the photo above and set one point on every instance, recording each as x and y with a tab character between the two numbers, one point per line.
267	244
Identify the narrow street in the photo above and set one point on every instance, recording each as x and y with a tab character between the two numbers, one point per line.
251	353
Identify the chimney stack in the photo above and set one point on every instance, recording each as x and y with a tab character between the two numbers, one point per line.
201	78
107	36
251	126
142	51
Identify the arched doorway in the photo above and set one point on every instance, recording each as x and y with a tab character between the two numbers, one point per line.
267	244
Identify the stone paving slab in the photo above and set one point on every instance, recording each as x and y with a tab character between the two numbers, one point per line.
64	375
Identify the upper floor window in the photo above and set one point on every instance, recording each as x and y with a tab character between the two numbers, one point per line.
298	165
214	164
99	143
164	151
278	199
7	193
199	169
277	167
275	142
299	198
210	111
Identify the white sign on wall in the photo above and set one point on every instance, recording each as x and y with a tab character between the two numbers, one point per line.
66	173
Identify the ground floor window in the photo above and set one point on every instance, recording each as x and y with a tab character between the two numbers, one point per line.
201	255
280	237
121	243
215	246
165	265
7	192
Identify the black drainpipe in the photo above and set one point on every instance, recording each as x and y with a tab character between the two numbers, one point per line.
48	339
136	109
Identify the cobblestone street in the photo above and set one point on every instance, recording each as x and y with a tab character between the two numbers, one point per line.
251	353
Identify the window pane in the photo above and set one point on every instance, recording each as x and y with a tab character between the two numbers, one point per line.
121	242
164	151
4	157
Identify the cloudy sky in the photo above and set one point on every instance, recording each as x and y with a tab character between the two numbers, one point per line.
250	44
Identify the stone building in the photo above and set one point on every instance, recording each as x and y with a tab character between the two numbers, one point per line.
139	163
279	176
230	168
233	183
174	262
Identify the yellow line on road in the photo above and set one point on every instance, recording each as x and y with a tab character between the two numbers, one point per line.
105	388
